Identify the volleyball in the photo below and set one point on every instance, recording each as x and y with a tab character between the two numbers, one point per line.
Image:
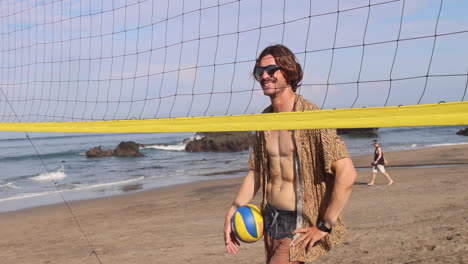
247	223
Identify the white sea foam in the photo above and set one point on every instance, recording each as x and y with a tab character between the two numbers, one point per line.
51	176
178	147
447	144
157	176
192	138
27	195
100	185
8	185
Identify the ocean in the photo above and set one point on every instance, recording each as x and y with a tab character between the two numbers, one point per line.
55	165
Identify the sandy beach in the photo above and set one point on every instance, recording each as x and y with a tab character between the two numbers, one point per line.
422	218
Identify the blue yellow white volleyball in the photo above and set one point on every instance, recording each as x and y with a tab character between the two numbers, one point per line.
247	223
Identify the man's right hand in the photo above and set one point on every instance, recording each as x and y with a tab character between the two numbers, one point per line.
230	239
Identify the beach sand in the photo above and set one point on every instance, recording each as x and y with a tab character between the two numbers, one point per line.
422	218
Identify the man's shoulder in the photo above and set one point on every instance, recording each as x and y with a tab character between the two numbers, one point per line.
305	105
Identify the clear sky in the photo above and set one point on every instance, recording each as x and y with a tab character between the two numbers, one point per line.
125	59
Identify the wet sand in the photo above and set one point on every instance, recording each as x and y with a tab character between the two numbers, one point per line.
422	218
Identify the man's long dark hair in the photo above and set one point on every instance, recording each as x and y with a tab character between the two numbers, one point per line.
286	59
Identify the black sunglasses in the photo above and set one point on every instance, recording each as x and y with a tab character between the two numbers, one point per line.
270	70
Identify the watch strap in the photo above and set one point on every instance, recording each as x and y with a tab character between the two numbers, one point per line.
321	226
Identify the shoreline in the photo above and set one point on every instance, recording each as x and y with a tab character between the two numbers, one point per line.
450	156
438	155
421	218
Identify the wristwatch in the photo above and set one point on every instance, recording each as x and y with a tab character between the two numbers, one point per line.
321	226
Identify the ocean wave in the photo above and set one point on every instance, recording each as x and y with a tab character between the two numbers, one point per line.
33	155
412	129
77	188
58	137
27	195
195	137
447	144
50	176
421	146
226	172
8	185
178	147
392	148
100	185
156	167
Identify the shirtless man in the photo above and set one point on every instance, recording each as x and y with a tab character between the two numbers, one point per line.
305	175
379	164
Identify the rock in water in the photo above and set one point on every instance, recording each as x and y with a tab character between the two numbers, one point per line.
463	132
128	149
97	152
124	149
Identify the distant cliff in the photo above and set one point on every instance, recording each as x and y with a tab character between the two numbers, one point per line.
359	131
239	141
220	142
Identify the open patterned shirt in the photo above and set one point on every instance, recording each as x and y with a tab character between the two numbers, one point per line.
316	150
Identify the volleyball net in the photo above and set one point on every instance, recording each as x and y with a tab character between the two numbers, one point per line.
178	66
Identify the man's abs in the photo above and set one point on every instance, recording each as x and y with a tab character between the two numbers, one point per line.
280	187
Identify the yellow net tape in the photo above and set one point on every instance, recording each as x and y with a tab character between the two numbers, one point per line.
393	116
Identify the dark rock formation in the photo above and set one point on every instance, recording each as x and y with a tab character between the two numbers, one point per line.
359	131
463	132
124	149
127	149
97	152
221	142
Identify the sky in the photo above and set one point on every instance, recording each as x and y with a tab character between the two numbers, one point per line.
129	59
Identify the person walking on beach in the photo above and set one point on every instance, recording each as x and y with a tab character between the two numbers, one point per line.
379	164
305	176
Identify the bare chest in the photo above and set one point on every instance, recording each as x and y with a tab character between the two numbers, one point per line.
280	143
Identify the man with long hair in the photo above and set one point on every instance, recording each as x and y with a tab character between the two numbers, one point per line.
305	176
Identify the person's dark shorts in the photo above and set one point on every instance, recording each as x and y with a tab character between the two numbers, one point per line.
279	223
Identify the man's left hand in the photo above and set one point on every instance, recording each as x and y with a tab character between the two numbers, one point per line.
309	236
